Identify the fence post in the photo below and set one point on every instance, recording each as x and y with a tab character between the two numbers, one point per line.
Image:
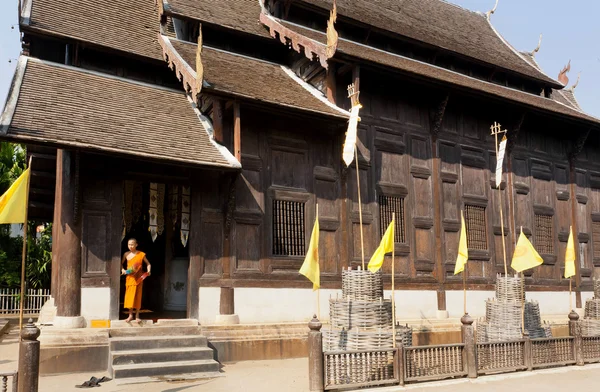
29	358
575	331
528	351
400	360
468	337
315	356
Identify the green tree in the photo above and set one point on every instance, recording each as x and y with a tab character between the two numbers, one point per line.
39	255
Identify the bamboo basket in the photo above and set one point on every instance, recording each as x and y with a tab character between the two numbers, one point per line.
503	313
510	289
590	327
592	307
349	314
362	285
597	288
342	340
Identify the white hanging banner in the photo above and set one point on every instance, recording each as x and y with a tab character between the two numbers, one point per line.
500	161
348	154
153	212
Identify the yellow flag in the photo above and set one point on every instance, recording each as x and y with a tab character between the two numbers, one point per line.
525	256
12	203
310	267
463	250
570	256
386	246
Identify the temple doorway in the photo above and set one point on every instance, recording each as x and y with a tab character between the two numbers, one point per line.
153	215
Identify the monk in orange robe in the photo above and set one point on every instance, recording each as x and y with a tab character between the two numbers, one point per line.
134	278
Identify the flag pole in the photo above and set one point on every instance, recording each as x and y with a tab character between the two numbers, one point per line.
570	294
319	289
464	273
496	129
24	256
393	287
362	246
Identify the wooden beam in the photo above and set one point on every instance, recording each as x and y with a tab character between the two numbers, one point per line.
331	83
217	119
356	77
237	132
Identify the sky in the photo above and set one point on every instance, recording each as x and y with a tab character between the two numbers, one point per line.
570	32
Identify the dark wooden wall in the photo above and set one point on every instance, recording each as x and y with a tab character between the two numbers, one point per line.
299	159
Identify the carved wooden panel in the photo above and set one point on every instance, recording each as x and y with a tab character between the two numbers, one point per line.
95	233
249	195
212	246
247	246
288	168
96	191
474	181
596	242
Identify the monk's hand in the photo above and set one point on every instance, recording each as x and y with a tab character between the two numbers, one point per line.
123	272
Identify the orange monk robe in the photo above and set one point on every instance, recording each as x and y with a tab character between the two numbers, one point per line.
134	282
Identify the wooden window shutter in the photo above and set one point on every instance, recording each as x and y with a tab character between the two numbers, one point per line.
476	227
387	206
288	228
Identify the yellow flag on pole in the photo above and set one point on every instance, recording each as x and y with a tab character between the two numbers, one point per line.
525	256
386	246
310	267
12	203
570	256
463	250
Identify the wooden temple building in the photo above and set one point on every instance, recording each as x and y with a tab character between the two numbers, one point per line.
239	139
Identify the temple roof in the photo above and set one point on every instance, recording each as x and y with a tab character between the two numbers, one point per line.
59	105
125	25
442	25
241	15
246	77
428	71
564	96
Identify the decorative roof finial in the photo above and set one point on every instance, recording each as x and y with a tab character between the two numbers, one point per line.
562	76
537	49
332	34
490	12
574	86
199	66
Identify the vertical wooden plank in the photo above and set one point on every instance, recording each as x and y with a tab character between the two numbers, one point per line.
195	249
217	120
573	186
237	132
331	83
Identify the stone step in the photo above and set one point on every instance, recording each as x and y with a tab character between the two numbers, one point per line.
164	368
155	330
156	342
125	357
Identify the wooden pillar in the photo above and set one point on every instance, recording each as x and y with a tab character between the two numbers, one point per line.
68	259
437	116
195	244
573	189
217	120
331	83
55	248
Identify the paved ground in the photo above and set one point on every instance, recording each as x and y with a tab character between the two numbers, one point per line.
292	376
